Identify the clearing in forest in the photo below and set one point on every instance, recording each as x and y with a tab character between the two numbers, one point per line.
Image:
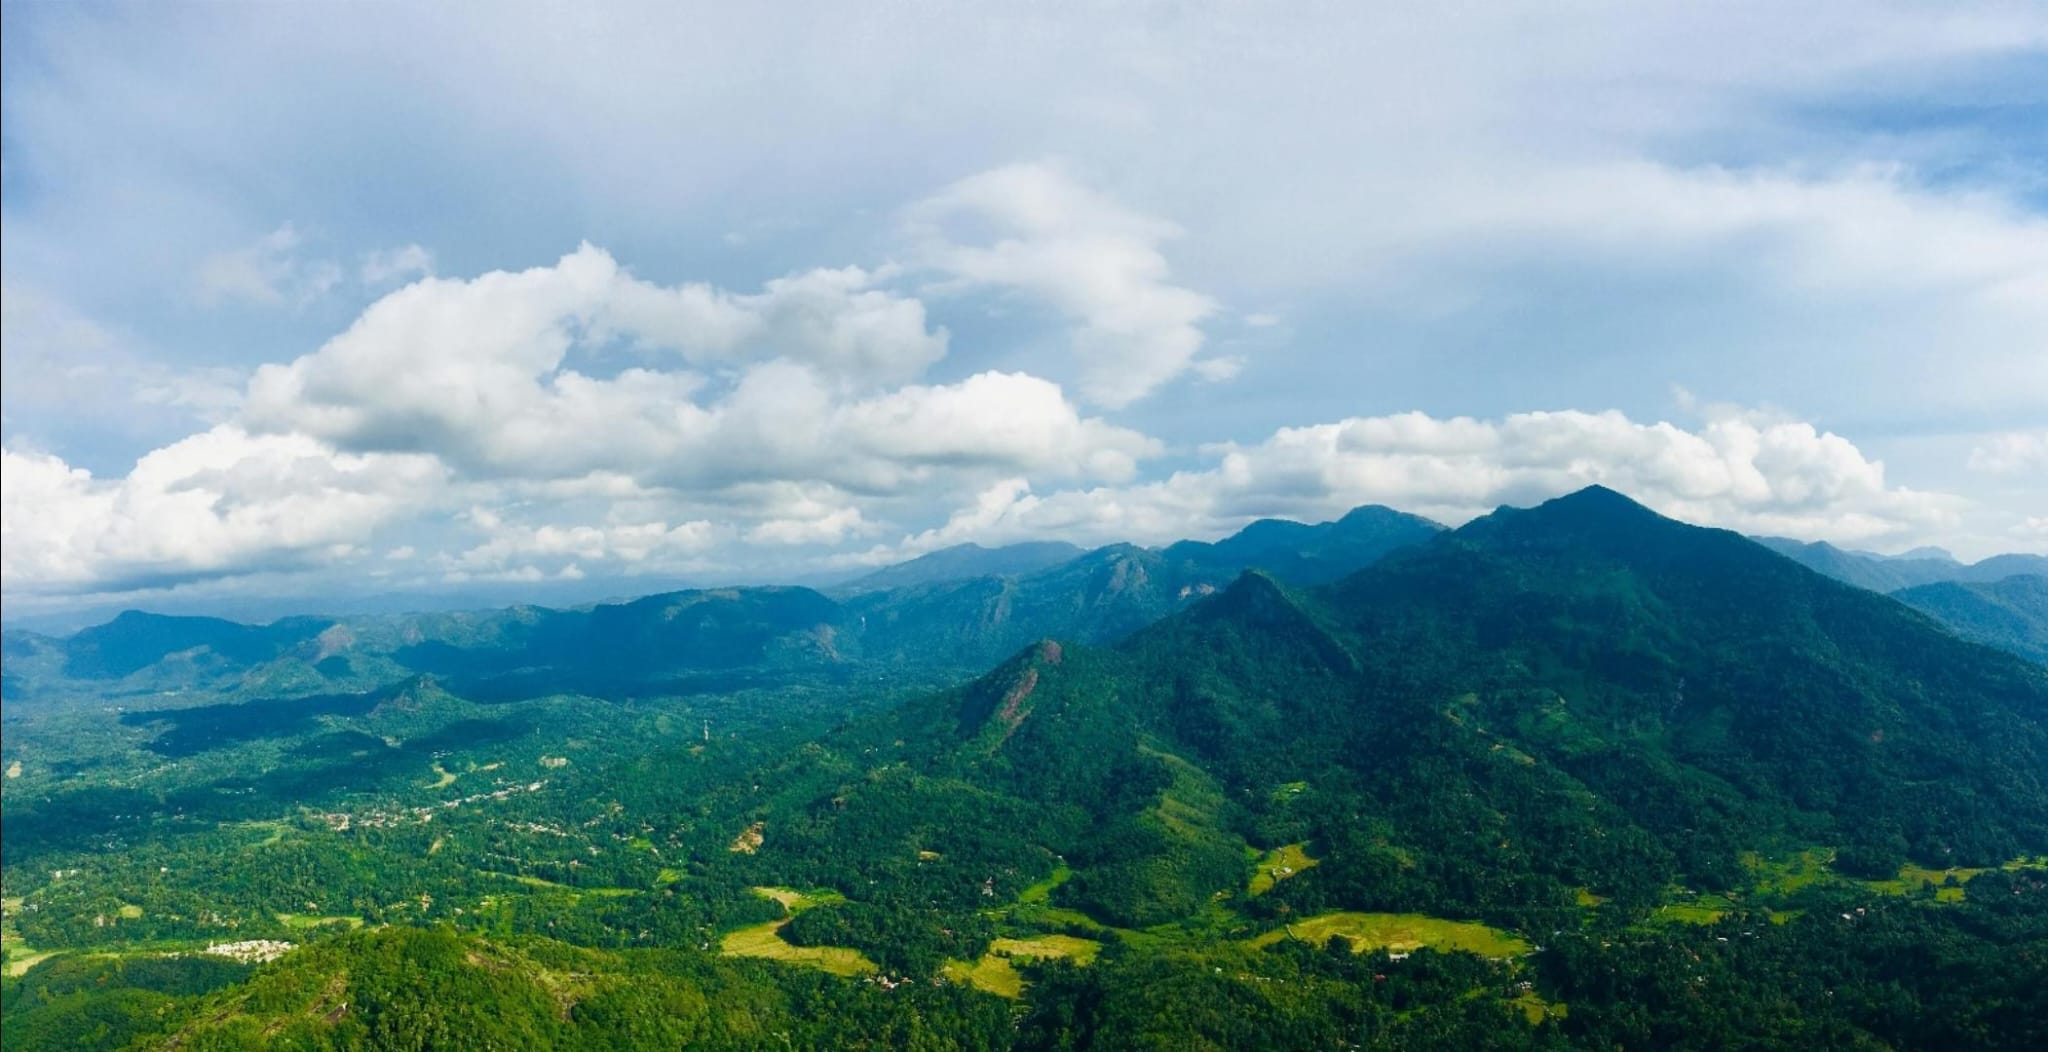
1400	933
992	974
765	940
995	974
1277	865
308	920
1073	948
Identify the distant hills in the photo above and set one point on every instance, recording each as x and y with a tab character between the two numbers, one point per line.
2010	614
959	609
1880	573
950	611
962	562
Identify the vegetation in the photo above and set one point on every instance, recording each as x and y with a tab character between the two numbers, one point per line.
1569	777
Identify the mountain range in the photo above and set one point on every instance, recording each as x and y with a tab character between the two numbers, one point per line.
1646	784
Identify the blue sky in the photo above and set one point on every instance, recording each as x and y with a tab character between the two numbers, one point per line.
324	298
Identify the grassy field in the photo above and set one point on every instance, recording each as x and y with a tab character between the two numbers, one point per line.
1400	933
1078	950
538	882
765	941
1277	865
308	920
798	901
1690	913
995	974
992	973
18	956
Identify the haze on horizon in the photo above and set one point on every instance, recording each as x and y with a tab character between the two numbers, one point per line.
319	300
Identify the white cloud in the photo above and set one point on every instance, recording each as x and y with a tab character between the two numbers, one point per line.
2013	453
836	321
479	374
220	503
385	266
268	272
1748	471
1032	229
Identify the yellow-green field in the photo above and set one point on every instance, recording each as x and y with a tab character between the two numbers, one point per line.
1279	864
308	920
1689	913
1400	933
995	974
798	901
1535	1009
1078	950
18	955
540	882
765	941
992	973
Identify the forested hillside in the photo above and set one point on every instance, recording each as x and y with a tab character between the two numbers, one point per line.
1570	776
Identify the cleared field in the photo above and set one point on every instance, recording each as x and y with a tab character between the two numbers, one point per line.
129	912
539	882
992	973
308	920
1073	948
446	778
1400	933
765	941
1041	892
1277	865
798	901
18	955
995	974
1688	914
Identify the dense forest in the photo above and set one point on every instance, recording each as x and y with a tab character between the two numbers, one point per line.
1571	776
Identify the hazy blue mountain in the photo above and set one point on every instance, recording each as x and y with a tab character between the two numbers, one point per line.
135	640
2010	614
963	562
1304	554
1880	573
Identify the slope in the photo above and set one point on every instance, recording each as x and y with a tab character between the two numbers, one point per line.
2010	614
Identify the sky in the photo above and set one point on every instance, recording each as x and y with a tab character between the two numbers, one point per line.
309	301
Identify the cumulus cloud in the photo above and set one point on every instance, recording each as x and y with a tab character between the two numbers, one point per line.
630	425
219	503
1034	230
1745	470
479	373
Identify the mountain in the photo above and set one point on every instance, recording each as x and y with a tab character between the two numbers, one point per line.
962	608
1304	554
1105	594
135	640
2010	614
963	562
1880	573
1583	695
